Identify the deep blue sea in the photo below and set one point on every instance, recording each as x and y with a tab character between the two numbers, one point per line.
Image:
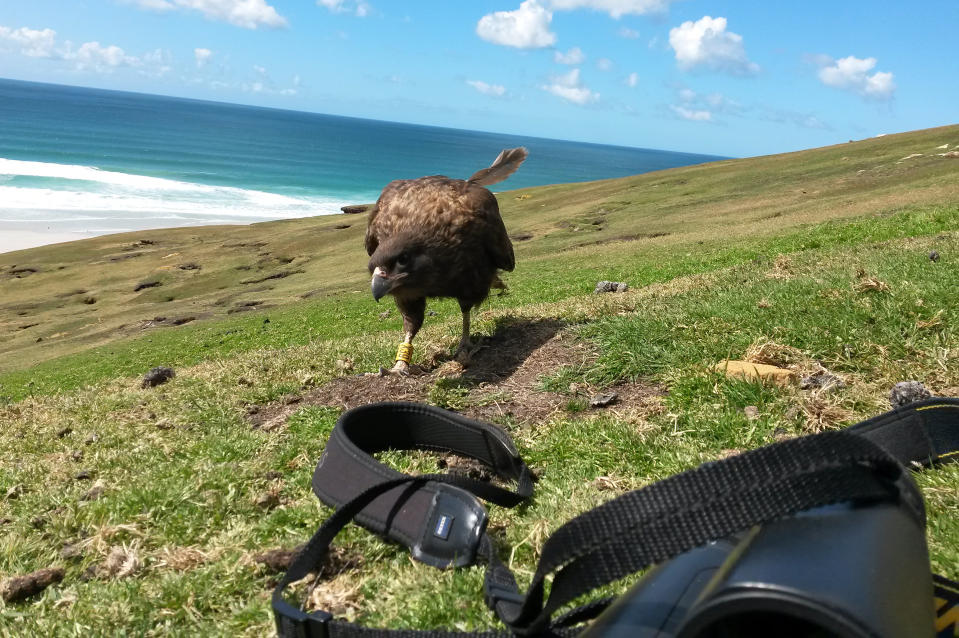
89	161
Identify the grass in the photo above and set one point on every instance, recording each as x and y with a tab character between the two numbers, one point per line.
179	485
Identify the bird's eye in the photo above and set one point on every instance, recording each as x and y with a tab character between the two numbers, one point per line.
402	259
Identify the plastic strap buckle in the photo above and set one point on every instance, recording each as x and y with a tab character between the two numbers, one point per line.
496	593
296	623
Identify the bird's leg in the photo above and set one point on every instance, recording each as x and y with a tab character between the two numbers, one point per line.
403	356
413	311
463	350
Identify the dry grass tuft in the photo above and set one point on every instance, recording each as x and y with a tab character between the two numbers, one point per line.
339	596
933	322
762	350
539	531
868	283
782	268
121	561
99	541
183	558
823	414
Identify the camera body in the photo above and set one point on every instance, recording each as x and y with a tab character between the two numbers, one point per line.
842	570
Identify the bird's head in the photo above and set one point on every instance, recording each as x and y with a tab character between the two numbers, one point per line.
395	266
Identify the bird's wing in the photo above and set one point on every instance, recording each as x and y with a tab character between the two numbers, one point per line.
497	240
375	222
371	240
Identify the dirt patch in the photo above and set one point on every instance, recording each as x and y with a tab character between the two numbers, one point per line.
120	257
621	238
502	383
243	244
246	307
146	284
277	275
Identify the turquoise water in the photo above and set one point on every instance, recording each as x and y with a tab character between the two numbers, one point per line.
90	161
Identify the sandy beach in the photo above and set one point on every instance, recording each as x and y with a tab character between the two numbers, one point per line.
11	240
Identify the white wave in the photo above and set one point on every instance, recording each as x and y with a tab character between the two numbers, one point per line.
129	181
238	203
85	190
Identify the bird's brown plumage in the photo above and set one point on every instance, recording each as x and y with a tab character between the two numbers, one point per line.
440	237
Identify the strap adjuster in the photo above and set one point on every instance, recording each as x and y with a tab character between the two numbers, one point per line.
496	593
292	622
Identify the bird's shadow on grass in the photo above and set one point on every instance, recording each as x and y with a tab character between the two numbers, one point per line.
512	342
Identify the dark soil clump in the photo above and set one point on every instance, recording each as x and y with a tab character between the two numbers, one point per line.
23	587
156	376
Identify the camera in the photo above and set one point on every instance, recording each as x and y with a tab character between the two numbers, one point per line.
843	570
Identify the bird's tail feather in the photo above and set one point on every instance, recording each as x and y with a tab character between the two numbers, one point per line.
503	166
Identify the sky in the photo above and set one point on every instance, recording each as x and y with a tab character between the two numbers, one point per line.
725	78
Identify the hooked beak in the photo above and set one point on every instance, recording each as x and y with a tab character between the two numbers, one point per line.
381	283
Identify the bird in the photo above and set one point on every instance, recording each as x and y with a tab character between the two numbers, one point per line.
434	237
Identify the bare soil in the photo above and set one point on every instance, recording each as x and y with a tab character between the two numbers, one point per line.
501	383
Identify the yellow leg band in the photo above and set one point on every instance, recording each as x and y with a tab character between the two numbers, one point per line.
405	353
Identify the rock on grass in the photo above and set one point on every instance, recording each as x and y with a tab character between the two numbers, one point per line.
610	286
906	392
23	587
603	400
156	376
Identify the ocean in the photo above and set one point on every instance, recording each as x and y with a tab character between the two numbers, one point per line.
85	162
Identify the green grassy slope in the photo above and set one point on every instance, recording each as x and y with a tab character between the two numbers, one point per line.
65	299
723	260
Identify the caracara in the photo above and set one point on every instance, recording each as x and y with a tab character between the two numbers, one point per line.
439	237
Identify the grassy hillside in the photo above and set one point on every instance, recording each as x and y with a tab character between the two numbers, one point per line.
159	503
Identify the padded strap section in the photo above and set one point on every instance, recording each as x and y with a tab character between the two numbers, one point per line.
408	513
923	433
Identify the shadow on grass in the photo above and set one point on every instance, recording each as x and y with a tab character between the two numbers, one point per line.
511	343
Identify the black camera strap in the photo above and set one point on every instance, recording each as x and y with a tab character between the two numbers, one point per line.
864	463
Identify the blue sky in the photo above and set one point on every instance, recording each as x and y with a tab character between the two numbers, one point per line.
728	78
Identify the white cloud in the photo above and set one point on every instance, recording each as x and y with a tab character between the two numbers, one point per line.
604	64
632	79
716	100
615	8
248	14
707	43
155	5
359	8
852	74
687	95
525	28
263	83
573	56
156	63
629	34
496	90
92	55
695	115
33	43
202	57
569	88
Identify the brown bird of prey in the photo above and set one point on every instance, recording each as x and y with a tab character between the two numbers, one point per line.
439	237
